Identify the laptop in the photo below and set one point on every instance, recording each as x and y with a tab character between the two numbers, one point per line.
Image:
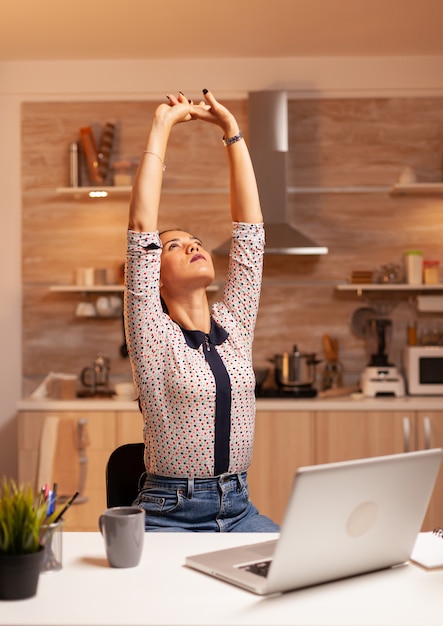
342	519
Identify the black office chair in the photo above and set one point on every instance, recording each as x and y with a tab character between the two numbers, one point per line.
123	471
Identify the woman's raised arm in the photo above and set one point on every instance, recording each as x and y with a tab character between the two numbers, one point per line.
146	189
244	198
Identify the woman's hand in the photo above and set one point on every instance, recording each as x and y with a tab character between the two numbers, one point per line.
176	110
180	109
210	110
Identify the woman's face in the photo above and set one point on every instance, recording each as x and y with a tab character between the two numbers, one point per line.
184	261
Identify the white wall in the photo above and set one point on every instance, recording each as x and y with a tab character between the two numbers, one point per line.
105	80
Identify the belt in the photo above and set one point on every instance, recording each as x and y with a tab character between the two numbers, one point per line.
189	485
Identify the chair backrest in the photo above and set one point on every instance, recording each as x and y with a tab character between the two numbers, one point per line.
123	470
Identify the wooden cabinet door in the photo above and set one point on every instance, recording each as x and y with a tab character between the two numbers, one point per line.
343	435
88	470
284	441
429	426
129	427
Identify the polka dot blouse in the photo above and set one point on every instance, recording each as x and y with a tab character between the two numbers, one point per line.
175	383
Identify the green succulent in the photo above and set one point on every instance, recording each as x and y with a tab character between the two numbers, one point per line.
21	518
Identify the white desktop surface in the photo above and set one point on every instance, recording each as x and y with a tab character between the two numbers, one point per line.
162	592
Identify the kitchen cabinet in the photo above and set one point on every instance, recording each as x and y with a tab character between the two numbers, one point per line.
105	430
285	438
429	433
341	436
129	427
284	441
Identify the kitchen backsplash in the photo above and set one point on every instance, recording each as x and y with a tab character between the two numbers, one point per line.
344	155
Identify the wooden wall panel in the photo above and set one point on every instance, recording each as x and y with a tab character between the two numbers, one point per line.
333	143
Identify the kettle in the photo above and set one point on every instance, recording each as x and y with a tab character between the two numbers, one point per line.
96	377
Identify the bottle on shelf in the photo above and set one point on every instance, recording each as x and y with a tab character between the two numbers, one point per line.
73	165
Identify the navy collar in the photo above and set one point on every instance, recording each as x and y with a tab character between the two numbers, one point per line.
195	338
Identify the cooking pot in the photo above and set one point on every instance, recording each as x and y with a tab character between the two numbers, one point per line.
295	369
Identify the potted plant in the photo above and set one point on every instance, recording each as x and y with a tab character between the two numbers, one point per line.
22	515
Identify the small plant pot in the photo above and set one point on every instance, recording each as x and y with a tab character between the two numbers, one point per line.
19	575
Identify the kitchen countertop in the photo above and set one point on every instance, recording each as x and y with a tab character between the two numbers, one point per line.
343	403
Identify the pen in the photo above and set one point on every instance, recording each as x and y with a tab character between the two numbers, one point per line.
52	500
65	508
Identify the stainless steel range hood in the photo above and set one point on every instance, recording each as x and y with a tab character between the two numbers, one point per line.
268	145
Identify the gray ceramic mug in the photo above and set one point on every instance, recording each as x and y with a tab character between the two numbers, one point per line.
123	529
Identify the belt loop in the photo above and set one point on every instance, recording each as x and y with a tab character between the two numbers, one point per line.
190	491
241	480
142	480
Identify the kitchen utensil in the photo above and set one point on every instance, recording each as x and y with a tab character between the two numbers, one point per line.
414	267
360	319
332	375
103	306
85	309
378	339
123	530
295	369
380	377
125	391
327	347
261	374
124	347
330	346
97	376
333	370
339	391
390	273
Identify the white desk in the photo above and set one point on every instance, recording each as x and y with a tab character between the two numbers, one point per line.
161	592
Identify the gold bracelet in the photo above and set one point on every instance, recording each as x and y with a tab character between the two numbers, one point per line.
159	158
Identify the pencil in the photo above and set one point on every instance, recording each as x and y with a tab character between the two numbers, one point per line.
65	508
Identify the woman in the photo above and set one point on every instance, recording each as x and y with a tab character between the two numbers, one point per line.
193	366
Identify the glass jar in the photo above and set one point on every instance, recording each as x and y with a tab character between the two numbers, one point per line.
431	272
414	267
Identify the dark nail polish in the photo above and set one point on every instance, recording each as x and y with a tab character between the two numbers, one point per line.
205	91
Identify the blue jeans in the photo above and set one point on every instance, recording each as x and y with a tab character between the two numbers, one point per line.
219	504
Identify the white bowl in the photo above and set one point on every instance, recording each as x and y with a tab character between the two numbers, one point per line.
125	391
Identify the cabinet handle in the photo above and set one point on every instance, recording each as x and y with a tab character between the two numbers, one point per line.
406	434
82	444
427	432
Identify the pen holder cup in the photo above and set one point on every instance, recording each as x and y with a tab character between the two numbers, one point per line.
53	547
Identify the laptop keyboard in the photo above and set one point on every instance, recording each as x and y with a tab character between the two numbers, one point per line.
261	568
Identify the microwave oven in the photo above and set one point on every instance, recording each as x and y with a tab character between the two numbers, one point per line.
424	370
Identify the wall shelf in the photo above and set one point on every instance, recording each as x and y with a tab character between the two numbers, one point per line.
104	288
399	189
100	193
388	287
417	189
93	193
86	288
78	193
343	189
